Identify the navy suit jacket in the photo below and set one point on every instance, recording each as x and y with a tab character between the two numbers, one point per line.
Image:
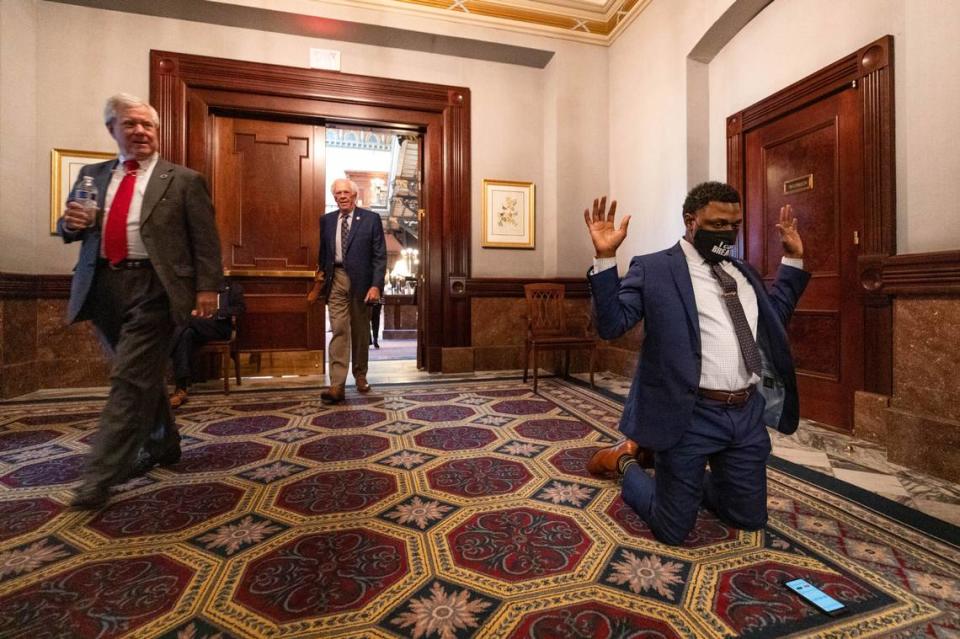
657	289
177	226
365	255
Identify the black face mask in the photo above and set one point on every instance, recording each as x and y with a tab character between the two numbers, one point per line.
714	246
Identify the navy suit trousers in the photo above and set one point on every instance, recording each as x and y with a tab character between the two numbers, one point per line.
734	441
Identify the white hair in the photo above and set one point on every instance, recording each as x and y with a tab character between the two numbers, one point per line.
121	102
353	186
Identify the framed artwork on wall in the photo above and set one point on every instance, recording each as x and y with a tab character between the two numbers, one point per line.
508	214
65	165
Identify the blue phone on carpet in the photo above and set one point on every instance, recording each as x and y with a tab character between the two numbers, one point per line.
815	597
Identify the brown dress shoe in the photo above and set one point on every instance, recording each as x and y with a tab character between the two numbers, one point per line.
178	398
362	385
604	461
333	395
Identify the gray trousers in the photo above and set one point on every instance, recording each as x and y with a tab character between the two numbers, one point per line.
131	311
350	321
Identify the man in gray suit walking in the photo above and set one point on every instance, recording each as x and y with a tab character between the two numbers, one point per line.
150	258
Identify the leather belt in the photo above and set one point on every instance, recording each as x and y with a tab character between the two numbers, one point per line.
730	398
124	265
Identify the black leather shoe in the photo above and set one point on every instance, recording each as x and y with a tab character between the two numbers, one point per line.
90	497
145	462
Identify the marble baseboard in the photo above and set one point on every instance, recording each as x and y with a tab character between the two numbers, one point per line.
457	360
496	322
870	416
493	358
19	331
38	349
73	372
18	379
619	361
926	355
926	443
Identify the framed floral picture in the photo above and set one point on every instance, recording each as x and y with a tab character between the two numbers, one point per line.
508	214
65	165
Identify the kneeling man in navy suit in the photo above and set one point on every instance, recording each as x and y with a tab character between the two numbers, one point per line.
715	369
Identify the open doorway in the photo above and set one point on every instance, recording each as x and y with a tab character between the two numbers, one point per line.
276	261
385	165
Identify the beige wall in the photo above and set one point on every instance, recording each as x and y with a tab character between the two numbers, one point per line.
594	121
775	50
789	39
648	119
79	56
21	206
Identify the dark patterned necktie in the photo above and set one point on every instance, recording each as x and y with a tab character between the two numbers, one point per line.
748	345
344	231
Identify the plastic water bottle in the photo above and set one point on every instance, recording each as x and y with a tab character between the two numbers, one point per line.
86	195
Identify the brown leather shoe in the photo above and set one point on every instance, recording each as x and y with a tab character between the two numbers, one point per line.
604	461
178	398
362	385
333	395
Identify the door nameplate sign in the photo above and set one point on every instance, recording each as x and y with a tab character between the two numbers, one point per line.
798	185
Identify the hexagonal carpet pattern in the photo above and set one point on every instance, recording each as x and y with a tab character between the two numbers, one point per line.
440	511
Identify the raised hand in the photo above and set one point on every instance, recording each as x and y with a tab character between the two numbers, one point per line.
606	238
789	236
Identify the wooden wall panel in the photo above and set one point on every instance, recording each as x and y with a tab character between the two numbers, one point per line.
815	343
268	204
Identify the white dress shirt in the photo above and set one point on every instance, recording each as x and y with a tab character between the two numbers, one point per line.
341	219
136	250
722	366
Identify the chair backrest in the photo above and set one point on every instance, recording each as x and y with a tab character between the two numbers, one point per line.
545	309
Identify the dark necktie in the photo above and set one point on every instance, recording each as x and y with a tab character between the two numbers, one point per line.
115	233
344	231
748	345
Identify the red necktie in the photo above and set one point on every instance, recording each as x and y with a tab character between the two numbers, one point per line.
115	234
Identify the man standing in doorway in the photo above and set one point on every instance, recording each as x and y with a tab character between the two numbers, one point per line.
715	366
150	257
351	270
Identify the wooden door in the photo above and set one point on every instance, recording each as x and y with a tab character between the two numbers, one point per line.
189	89
268	191
811	158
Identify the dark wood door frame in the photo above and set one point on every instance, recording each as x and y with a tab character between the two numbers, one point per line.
184	88
870	72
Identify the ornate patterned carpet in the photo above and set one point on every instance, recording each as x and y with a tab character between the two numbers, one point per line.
443	511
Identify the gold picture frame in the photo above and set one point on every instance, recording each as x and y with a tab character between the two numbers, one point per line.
65	165
509	214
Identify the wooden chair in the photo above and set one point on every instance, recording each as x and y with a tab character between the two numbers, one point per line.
226	349
547	329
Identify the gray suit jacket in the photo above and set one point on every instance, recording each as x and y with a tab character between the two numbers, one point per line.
177	226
